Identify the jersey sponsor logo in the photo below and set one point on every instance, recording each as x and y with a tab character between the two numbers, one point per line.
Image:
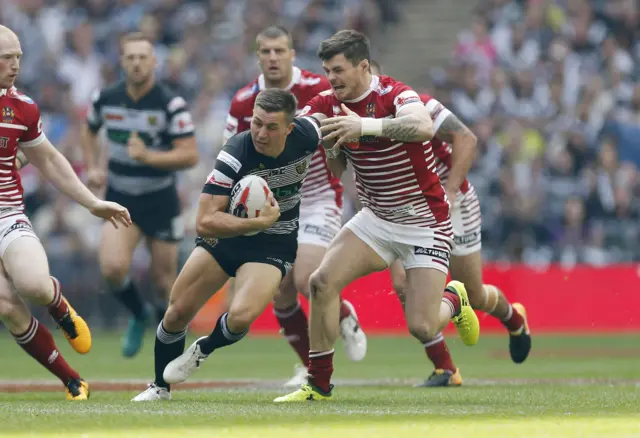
8	114
176	103
181	123
4	142
405	100
309	81
432	252
211	241
230	161
467	238
19	224
382	91
113	116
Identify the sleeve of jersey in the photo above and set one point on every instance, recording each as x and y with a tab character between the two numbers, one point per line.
180	121
318	105
310	132
438	111
94	114
226	172
403	97
34	135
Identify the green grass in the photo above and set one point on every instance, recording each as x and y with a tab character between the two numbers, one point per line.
569	387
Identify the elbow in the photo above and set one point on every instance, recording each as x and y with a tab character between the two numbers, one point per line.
205	228
193	159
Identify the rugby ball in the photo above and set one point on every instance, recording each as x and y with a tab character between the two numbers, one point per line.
248	197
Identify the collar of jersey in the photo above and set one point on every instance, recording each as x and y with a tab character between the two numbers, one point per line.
3	91
295	79
375	81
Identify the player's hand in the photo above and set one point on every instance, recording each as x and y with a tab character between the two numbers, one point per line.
96	178
137	148
343	129
270	212
111	211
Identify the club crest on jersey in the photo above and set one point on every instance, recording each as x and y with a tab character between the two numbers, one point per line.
370	111
301	167
8	114
153	120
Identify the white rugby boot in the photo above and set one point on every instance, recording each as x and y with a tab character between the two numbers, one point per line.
180	368
355	341
153	393
299	378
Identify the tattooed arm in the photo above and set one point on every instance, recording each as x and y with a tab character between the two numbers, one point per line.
463	149
411	124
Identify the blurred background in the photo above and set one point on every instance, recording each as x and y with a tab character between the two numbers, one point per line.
550	88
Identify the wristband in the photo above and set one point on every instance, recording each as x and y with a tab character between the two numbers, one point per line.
371	126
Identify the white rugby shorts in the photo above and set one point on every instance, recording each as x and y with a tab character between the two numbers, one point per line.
12	227
415	247
467	223
319	223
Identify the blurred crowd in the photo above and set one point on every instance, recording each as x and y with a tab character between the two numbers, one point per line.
552	90
549	87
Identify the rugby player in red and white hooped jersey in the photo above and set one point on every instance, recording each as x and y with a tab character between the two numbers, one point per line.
24	271
382	128
321	205
452	142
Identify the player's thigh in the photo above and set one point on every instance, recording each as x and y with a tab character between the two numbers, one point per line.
256	286
26	264
164	262
116	249
198	280
358	250
423	294
14	313
398	279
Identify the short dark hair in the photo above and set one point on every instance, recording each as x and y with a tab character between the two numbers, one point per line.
273	32
374	64
275	100
134	37
352	44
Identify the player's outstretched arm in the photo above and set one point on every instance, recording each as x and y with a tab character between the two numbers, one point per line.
213	221
411	124
336	160
463	150
183	155
57	170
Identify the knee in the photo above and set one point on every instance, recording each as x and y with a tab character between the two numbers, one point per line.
8	309
176	318
301	283
422	330
240	318
287	296
477	296
320	286
114	270
36	288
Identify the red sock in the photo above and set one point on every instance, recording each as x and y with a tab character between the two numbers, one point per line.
438	353
295	326
514	321
58	307
321	369
38	342
453	300
344	310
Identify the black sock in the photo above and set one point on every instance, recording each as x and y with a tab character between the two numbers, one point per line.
220	337
168	347
129	296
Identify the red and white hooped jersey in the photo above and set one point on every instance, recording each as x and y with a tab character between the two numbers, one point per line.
20	126
320	184
441	149
396	180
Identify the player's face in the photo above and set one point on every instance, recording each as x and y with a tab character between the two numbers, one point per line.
10	54
138	61
347	80
275	58
269	131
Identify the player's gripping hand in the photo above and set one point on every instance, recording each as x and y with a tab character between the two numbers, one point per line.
111	211
343	129
137	148
270	212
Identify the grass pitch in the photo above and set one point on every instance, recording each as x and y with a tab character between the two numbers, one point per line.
569	387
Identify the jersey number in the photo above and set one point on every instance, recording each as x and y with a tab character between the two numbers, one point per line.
4	142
